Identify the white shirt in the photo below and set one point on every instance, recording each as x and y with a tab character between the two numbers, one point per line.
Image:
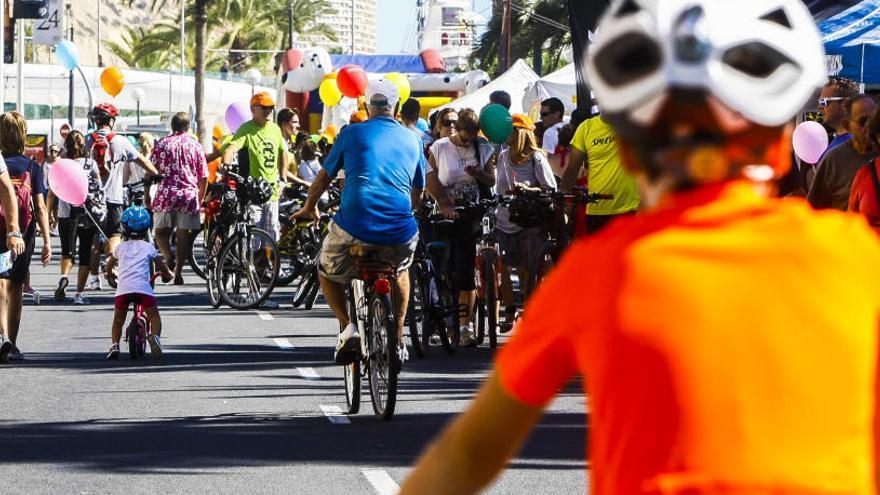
451	162
134	257
122	152
308	169
535	172
551	138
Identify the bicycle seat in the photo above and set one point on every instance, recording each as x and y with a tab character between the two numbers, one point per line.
437	248
370	259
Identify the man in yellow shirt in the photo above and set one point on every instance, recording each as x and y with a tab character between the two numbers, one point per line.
595	145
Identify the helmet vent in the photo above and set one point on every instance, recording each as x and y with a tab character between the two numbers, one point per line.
628	7
779	17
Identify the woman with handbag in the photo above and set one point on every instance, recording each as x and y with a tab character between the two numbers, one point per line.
76	230
30	191
461	173
522	165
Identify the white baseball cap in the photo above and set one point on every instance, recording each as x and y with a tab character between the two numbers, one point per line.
381	93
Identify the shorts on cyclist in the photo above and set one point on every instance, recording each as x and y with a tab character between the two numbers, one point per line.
176	219
122	302
337	264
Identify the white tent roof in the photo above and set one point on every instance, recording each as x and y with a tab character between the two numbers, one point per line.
562	84
515	81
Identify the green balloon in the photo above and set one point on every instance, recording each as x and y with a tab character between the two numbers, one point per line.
496	123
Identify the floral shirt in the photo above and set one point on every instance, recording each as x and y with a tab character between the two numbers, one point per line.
181	160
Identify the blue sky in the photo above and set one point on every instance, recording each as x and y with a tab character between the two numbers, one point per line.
394	17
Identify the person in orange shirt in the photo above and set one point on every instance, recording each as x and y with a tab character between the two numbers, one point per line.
728	340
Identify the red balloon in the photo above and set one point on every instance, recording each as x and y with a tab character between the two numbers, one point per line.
352	81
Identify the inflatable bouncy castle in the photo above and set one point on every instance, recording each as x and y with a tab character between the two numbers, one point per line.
326	88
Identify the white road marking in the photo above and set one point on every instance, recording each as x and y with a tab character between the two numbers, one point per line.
382	482
334	415
308	373
284	344
265	316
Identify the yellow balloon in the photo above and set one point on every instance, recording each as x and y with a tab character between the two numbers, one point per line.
329	92
402	83
112	81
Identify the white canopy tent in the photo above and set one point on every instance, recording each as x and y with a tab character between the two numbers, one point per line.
562	84
515	82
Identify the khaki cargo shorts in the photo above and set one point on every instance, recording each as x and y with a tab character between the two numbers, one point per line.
337	264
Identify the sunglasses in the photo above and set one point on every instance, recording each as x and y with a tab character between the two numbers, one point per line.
824	102
448	122
547	114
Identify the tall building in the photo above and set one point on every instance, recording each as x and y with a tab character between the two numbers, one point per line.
449	26
341	21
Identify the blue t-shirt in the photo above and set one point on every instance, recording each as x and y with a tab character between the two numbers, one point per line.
838	140
18	164
383	162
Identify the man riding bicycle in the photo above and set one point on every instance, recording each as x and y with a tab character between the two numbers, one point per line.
385	173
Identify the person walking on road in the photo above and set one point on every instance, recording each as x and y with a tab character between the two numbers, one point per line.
76	230
728	339
26	176
180	160
385	167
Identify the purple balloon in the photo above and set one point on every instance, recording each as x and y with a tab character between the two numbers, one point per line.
236	114
809	141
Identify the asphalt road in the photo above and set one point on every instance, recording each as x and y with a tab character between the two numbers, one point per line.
241	402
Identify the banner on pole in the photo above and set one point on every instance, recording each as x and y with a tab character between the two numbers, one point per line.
50	31
583	17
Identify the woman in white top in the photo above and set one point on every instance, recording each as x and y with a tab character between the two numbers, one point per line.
522	165
461	165
309	165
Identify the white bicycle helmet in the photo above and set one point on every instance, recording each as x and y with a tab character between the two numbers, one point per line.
742	63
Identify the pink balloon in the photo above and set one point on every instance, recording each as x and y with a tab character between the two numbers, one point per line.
809	141
69	181
236	114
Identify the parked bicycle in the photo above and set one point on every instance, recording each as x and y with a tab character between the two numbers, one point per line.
371	307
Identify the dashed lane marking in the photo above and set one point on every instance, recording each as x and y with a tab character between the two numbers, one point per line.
334	415
265	316
284	344
308	373
382	482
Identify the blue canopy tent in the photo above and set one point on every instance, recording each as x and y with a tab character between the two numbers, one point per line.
852	42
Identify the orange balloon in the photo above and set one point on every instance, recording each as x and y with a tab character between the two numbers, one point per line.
112	80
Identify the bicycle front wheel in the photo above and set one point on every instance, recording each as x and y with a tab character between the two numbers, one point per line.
384	362
415	317
213	246
542	262
247	269
198	252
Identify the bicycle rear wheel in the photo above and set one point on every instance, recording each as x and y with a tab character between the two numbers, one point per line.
384	362
491	302
447	326
213	246
308	283
198	253
247	269
415	315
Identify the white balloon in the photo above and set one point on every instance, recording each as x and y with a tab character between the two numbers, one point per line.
311	71
341	113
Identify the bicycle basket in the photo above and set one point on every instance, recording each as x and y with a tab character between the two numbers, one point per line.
530	211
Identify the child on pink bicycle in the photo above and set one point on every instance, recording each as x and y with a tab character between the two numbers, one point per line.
134	259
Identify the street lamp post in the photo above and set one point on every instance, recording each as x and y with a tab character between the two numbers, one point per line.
253	77
138	95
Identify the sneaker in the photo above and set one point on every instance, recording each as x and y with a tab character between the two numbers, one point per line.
113	353
79	299
403	353
155	345
467	337
269	304
30	291
15	354
5	348
348	348
94	283
61	291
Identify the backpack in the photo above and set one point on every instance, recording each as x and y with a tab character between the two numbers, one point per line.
95	202
102	153
23	194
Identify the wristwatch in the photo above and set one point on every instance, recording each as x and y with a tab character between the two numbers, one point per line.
14	234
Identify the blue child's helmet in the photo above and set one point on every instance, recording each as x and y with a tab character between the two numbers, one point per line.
136	219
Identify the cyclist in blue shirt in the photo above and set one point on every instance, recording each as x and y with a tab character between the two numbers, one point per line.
384	177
